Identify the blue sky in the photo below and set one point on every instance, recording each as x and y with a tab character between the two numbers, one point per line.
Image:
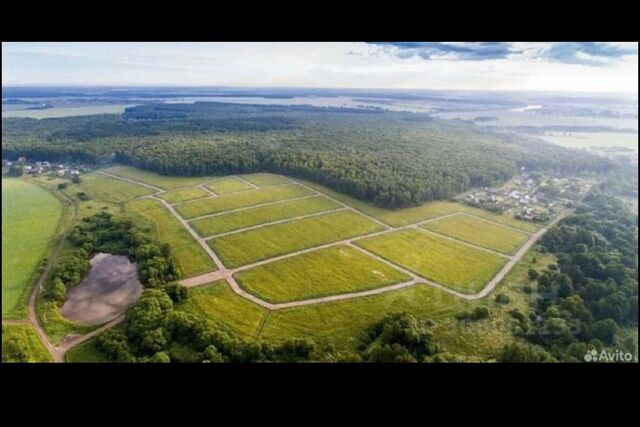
581	66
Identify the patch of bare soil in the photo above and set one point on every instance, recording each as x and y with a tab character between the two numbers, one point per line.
111	286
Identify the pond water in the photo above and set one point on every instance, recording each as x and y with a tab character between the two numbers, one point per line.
111	286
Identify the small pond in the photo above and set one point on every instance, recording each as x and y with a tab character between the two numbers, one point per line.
111	286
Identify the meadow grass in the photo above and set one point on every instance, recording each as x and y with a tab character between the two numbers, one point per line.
479	232
184	195
264	179
452	264
239	200
36	351
228	185
86	352
157	180
429	210
328	271
278	239
188	253
260	214
30	216
55	325
341	322
219	303
101	188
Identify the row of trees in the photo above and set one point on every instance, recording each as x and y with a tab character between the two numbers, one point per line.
591	295
391	159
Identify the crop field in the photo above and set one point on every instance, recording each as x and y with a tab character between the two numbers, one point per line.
220	304
324	272
452	264
102	188
341	322
239	200
479	232
412	215
191	257
30	216
157	180
35	351
231	221
278	239
265	179
228	185
178	196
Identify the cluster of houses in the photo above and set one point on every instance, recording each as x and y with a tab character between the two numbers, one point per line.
38	168
531	197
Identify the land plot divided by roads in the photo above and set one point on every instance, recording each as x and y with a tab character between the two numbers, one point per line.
231	221
184	195
213	205
479	232
319	273
228	185
435	258
272	240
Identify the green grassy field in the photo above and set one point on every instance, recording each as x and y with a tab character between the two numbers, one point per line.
264	179
85	353
449	263
30	216
228	185
325	272
157	180
101	188
273	240
184	195
35	350
342	322
240	200
246	218
55	325
479	232
412	215
218	302
191	257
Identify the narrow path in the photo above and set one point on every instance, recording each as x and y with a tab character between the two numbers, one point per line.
228	194
207	190
462	242
496	223
244	208
250	184
132	181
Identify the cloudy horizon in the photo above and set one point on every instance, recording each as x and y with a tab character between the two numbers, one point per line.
586	67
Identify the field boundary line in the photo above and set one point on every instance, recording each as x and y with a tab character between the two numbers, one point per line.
228	194
250	184
462	242
249	207
276	222
498	223
133	181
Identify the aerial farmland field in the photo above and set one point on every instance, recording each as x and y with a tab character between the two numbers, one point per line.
239	200
30	215
450	263
185	195
162	181
228	185
479	232
236	220
328	271
273	240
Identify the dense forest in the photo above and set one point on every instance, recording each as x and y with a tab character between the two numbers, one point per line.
392	159
590	297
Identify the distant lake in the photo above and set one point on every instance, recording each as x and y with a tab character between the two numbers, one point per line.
68	111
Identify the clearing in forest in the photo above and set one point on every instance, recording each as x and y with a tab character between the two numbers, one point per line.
319	273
